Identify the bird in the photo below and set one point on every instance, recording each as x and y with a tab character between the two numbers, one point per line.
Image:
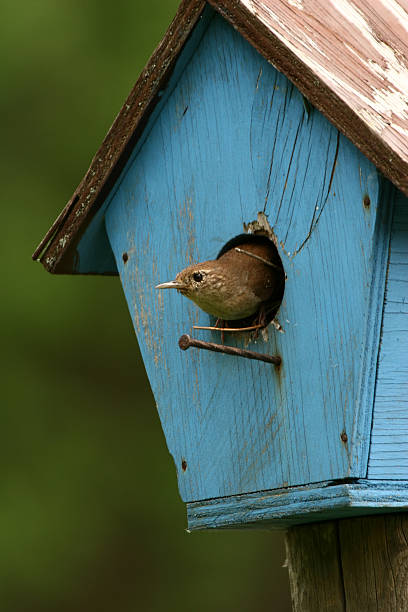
245	280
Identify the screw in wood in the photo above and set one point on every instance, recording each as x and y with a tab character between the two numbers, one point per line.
185	342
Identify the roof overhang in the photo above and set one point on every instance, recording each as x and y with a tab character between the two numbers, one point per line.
349	58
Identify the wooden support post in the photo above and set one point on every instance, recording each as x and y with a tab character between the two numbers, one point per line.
353	565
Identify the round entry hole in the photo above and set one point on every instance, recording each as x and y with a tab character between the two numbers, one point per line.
255	263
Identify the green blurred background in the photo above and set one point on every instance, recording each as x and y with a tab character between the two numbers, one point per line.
90	517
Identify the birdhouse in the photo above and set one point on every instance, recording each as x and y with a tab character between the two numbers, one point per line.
282	123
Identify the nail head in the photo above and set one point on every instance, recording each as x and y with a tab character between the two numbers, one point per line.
184	342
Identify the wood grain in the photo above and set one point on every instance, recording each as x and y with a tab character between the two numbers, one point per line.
389	438
281	508
350	565
349	58
315	574
374	559
233	140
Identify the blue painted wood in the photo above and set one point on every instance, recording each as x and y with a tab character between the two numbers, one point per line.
94	254
232	140
389	438
286	507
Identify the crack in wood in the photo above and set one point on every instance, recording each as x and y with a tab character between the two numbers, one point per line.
315	219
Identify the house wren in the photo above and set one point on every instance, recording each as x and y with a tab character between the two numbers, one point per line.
246	279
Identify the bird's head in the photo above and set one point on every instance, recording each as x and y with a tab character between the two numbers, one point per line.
201	283
234	285
194	280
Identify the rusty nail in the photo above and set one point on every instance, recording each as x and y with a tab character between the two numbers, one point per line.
343	436
184	465
186	341
366	201
125	257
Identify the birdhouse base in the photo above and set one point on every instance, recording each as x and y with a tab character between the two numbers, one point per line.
282	508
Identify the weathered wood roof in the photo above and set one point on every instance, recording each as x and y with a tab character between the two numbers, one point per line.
348	57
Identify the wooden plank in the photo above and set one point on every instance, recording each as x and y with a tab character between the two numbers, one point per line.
351	564
389	439
374	560
349	58
315	574
93	254
282	508
208	167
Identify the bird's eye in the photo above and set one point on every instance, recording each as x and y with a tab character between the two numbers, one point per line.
198	277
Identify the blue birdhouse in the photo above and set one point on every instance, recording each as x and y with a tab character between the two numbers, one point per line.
262	120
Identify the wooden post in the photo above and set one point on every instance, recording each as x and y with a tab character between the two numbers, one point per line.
357	564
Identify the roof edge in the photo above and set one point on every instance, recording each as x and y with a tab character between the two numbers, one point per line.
57	249
247	22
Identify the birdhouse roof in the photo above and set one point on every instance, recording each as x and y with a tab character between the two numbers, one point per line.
349	58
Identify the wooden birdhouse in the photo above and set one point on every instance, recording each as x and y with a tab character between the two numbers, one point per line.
286	120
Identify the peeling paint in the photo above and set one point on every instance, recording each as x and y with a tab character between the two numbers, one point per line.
63	241
378	95
298	4
261	226
142	314
186	227
81	209
277	326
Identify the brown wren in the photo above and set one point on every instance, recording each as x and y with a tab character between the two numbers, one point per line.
245	280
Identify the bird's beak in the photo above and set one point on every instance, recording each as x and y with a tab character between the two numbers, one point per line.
171	285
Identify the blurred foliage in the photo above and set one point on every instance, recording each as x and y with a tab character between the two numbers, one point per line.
89	510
